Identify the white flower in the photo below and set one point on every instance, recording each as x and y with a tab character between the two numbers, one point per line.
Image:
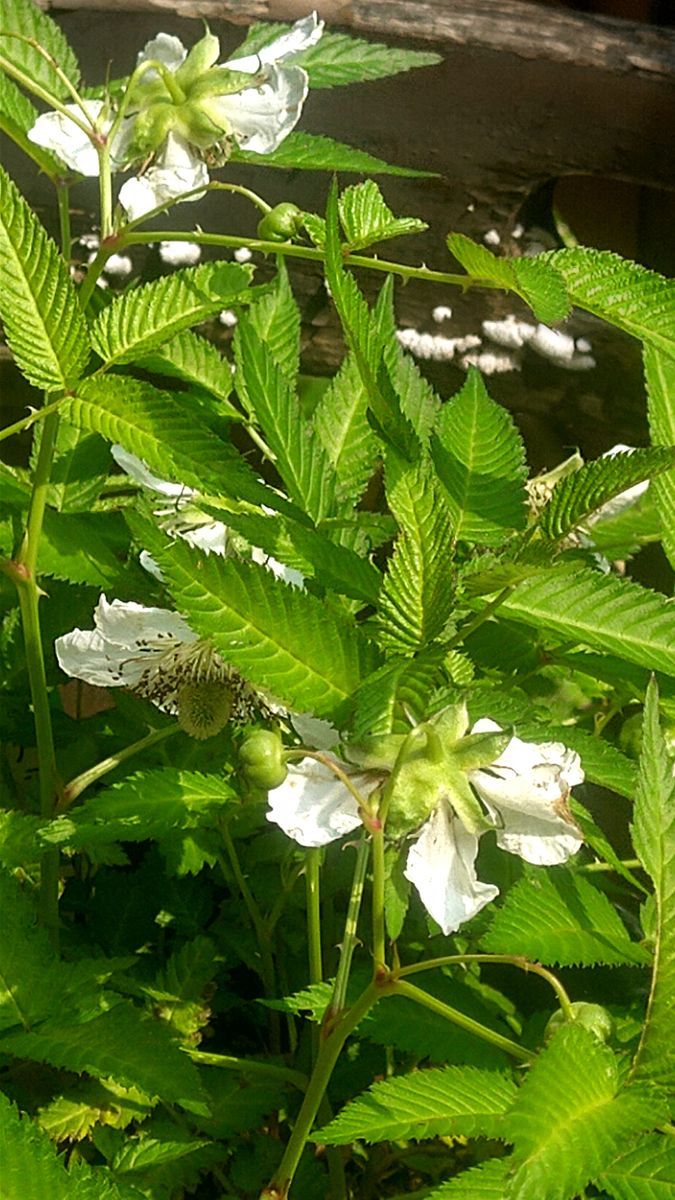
154	652
524	790
177	169
56	132
258	118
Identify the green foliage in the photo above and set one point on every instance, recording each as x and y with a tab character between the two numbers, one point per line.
583	492
660	381
143	319
366	219
600	611
447	1102
654	840
43	323
36	29
192	359
14	106
479	458
337	59
570	1118
535	280
559	918
646	1171
315	152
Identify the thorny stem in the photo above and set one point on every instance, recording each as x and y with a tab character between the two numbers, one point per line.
42	93
77	785
313	895
377	900
290	250
38	414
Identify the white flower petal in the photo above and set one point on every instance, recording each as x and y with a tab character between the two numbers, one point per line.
260	118
141	474
54	131
313	806
305	33
178	169
525	791
82	653
164	48
212	536
440	864
133	627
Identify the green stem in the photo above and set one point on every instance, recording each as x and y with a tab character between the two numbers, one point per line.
514	960
63	203
105	189
313	895
37	90
78	785
632	864
267	971
247	1066
339	997
29	595
329	1053
480	617
401	988
379	940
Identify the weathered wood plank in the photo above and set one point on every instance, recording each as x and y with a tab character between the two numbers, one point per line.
531	31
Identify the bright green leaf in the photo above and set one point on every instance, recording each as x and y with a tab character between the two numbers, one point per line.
533	279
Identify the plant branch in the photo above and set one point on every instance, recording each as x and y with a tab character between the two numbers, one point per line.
78	785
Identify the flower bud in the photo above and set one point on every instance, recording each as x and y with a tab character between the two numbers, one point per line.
281	224
263	762
596	1019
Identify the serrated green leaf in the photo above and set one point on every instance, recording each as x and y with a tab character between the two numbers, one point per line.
340	59
89	1103
90	549
140	1154
486	1182
417	596
660	381
583	492
533	279
169	437
142	319
189	357
559	918
366	342
341	424
402	685
122	1044
38	305
25	18
654	840
570	1118
301	461
147	805
601	611
13	104
367	219
646	1171
417	398
275	317
479	458
80	468
308	657
448	1102
32	1169
314	152
33	982
18	844
627	295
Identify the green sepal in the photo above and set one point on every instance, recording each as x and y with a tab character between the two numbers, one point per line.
450	724
465	803
479	749
203	55
377	752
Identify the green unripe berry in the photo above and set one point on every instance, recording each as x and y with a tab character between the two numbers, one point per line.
262	759
593	1017
281	224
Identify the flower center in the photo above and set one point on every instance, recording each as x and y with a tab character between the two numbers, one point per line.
191	679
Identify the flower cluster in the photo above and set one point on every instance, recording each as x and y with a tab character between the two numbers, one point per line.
523	792
182	112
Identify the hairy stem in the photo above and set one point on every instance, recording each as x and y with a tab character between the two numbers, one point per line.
349	940
401	988
77	785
